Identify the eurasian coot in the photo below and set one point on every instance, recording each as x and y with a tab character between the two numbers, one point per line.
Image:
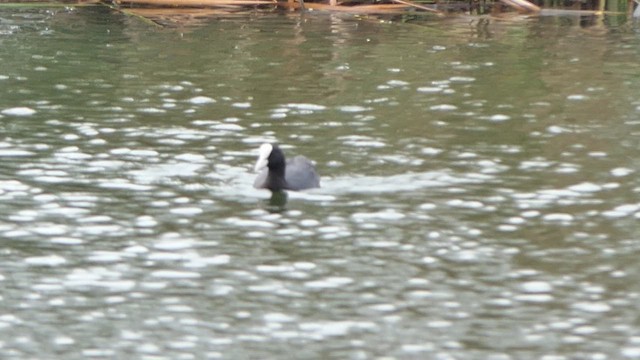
277	174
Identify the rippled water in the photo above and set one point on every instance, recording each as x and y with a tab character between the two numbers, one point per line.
479	191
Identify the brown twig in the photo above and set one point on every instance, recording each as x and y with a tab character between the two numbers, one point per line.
196	3
359	9
418	6
522	6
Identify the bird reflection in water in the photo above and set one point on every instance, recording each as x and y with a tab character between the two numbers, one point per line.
277	202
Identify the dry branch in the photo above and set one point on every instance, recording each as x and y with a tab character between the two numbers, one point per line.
358	9
522	6
418	6
197	3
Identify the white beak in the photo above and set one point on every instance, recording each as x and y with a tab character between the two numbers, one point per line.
263	157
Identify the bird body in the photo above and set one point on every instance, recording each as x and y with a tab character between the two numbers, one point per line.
277	174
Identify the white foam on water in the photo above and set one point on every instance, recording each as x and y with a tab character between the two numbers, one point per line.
331	282
443	107
429	89
305	106
175	274
353	108
18	111
49	260
536	287
336	328
592	307
200	100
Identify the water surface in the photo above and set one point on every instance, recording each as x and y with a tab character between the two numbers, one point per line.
479	191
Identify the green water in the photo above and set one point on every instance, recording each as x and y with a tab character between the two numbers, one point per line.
479	191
